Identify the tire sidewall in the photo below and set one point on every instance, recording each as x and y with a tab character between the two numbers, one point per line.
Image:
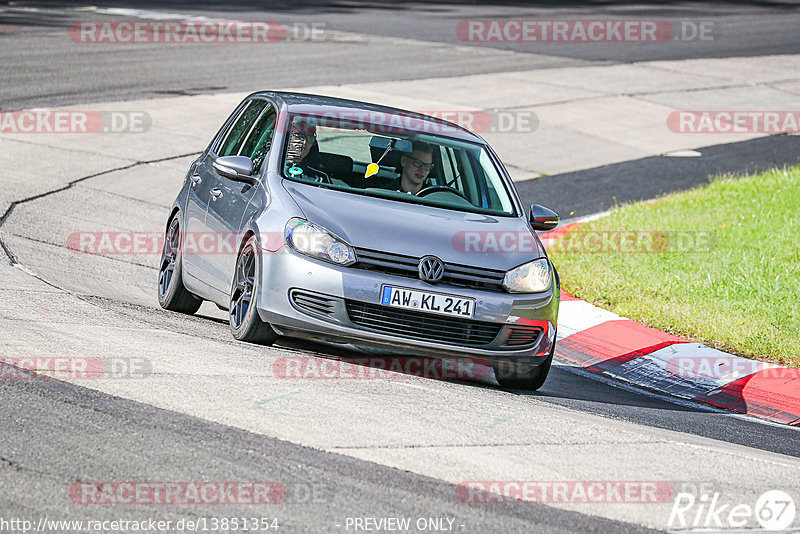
251	319
536	378
177	274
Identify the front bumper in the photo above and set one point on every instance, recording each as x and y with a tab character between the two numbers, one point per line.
286	271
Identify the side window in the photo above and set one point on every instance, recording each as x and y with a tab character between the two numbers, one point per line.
234	138
257	144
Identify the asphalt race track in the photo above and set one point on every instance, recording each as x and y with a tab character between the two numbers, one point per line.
412	45
205	408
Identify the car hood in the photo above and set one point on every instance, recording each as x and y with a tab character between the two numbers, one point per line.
415	230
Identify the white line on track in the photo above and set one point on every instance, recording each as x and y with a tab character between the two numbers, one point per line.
146	14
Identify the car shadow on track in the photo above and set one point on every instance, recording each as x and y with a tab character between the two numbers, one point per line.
567	386
576	384
563	384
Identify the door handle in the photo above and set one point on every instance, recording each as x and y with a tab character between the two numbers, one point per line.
195	178
215	193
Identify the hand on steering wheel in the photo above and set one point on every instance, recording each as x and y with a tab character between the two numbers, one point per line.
440	188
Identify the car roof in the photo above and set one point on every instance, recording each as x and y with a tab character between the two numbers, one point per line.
318	104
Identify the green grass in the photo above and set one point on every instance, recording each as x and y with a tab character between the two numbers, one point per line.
740	293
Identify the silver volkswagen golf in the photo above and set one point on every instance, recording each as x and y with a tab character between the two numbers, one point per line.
348	222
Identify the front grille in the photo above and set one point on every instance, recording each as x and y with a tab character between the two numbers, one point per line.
422	326
521	336
459	275
313	303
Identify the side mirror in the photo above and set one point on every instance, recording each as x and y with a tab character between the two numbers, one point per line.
239	168
543	219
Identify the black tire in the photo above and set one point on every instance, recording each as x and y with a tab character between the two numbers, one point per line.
508	376
246	325
172	294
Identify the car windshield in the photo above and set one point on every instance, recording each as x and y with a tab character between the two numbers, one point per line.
398	157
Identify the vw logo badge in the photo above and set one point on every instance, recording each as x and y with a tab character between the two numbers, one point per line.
431	269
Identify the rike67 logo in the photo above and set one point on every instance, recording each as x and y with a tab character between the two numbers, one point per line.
774	511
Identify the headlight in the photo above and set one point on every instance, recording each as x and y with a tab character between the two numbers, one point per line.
532	277
315	241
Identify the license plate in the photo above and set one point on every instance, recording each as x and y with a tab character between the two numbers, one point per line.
425	301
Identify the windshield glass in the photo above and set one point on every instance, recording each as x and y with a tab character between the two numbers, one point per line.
391	160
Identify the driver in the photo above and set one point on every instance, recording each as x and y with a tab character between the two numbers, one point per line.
302	139
415	168
302	154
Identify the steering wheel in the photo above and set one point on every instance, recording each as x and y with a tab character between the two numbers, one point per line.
440	188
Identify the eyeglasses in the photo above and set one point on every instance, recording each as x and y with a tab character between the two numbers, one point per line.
419	164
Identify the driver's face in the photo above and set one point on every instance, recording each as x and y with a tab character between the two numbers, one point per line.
416	167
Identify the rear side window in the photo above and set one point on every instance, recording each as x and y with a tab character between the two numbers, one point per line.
258	142
235	136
